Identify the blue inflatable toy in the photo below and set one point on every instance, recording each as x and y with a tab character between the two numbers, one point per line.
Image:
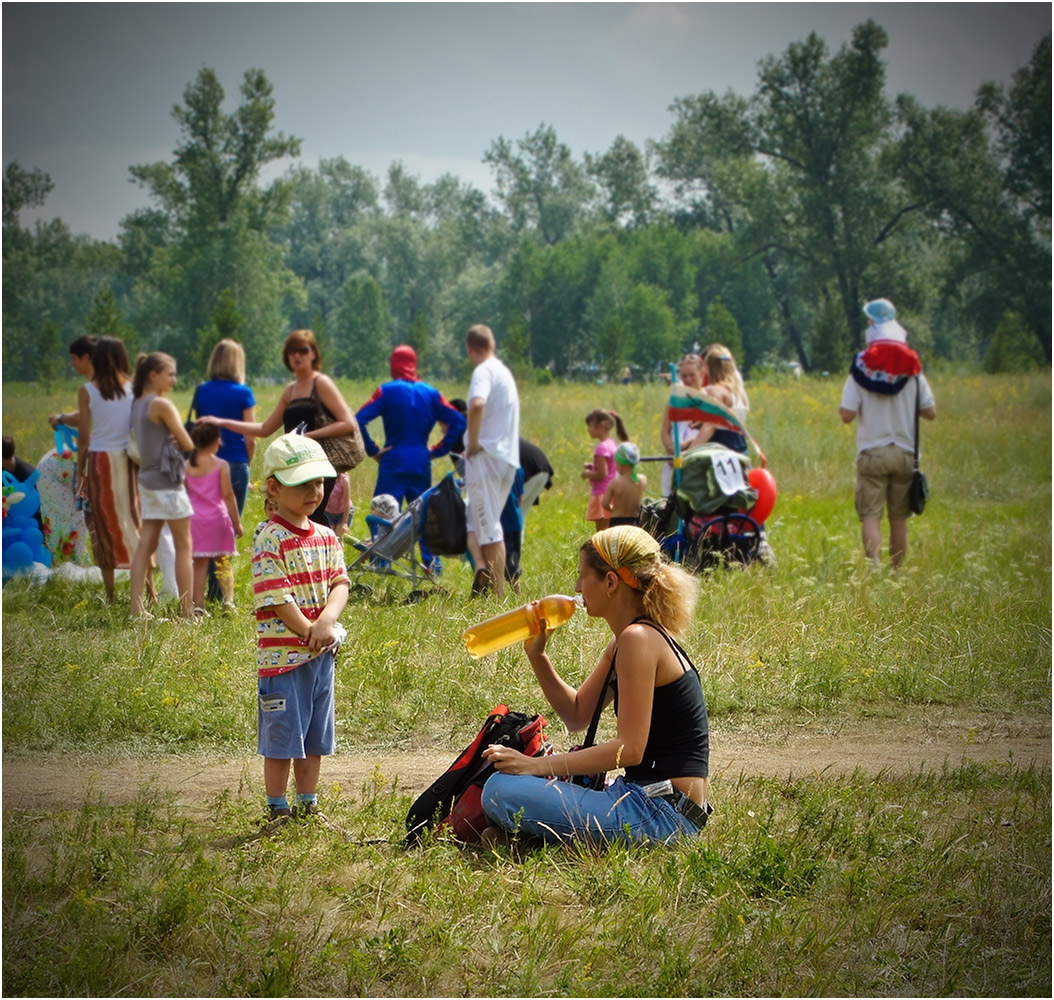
23	541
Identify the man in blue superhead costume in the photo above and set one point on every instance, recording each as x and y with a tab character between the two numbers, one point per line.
409	410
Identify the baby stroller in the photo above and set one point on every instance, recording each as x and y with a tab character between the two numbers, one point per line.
706	520
714	513
393	551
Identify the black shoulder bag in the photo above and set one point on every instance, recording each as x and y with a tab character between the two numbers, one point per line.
920	489
594	781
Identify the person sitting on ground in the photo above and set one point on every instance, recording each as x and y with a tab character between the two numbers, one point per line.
663	734
626	491
20	469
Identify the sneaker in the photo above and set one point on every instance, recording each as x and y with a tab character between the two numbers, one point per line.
765	554
278	818
434	567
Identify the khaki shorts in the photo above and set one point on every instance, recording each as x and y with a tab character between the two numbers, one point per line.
883	478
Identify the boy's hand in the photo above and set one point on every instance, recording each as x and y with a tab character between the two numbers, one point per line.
322	634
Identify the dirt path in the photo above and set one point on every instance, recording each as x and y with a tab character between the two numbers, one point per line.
824	748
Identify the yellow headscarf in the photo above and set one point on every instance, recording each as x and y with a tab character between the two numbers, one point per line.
624	547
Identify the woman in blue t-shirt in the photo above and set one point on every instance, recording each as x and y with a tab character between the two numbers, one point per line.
662	741
226	395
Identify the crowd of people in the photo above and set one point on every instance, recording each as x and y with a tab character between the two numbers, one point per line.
143	476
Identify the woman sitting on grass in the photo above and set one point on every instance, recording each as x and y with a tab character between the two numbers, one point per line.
663	736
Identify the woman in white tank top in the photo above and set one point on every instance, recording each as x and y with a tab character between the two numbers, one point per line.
106	476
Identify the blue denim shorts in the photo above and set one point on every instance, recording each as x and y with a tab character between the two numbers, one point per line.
558	811
295	713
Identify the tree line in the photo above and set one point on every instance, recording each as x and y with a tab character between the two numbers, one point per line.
760	221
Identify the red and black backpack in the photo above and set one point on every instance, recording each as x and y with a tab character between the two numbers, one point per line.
454	798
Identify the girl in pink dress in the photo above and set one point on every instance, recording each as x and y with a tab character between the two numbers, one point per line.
601	470
215	520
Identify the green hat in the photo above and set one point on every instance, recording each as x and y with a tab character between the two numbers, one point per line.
628	453
294	459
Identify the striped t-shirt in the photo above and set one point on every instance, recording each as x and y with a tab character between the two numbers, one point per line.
301	565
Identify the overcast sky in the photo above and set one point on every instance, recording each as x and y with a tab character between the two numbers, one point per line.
88	88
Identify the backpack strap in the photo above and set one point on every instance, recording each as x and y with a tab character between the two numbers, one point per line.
917	391
682	658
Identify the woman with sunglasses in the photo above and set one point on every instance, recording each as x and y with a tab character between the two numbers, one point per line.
300	403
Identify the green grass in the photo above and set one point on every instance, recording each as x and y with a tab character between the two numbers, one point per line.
923	885
930	883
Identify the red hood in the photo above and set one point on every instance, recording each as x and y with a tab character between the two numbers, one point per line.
404	363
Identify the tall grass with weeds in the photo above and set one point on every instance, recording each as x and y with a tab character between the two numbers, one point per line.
918	885
929	883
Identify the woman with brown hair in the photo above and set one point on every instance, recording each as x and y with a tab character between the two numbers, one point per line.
105	473
305	400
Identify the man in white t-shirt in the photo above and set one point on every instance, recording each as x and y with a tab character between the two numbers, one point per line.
884	381
492	453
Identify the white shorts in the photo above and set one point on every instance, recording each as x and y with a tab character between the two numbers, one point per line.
165	505
488	481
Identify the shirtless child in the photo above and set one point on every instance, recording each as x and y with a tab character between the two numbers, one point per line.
626	490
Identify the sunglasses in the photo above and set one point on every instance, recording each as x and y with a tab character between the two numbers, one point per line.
300	350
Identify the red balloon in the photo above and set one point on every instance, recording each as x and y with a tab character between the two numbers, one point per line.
762	480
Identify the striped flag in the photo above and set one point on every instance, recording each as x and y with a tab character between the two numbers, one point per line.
688	408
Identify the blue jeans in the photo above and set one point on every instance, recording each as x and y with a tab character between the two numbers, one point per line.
558	811
239	482
406	487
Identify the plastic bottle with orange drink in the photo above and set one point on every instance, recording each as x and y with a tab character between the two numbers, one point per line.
516	626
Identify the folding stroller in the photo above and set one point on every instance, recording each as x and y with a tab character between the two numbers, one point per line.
393	551
705	520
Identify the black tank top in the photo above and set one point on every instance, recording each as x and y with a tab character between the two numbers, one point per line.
679	735
303	409
730	439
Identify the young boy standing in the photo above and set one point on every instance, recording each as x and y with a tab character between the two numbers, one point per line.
626	491
300	587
